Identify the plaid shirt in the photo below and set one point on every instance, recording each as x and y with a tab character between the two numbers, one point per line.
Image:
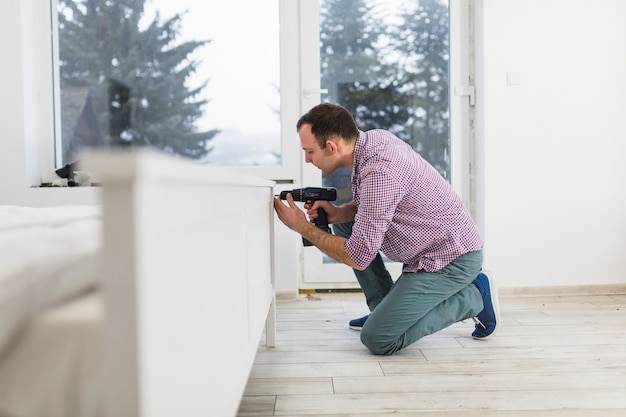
405	209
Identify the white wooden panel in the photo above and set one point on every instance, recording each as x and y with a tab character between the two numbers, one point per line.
189	283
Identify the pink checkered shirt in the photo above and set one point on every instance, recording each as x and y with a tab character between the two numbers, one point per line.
405	209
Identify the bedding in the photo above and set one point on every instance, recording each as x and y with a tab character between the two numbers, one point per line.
47	255
54	368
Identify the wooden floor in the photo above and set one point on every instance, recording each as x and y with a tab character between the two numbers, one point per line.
553	356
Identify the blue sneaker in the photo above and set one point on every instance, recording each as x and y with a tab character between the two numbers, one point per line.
488	320
356	324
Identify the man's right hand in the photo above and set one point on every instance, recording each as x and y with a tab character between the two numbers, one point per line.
335	214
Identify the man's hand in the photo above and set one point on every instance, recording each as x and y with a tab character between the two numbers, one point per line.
336	214
295	219
290	214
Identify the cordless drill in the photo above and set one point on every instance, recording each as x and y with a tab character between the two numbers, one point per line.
310	195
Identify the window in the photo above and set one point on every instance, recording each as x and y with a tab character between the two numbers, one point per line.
194	78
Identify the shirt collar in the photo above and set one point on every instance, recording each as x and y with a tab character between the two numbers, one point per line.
359	147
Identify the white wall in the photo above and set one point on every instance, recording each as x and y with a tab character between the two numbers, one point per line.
552	152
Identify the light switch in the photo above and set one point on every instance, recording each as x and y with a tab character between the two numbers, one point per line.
513	79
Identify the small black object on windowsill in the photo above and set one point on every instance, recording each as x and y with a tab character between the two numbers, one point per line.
68	172
71	177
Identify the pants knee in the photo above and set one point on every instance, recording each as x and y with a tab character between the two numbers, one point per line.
376	343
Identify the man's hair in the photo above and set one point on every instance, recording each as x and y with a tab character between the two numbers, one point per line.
328	120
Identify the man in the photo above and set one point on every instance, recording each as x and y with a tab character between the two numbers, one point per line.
403	208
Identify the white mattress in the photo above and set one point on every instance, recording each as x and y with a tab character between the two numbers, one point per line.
47	255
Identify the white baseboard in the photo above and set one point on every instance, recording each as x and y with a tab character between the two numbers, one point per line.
566	290
286	295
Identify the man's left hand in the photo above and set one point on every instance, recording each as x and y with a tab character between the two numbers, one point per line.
290	214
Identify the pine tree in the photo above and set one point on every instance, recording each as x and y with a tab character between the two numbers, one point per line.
136	77
423	42
352	68
391	74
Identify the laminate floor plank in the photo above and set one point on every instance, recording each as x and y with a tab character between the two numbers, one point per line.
554	356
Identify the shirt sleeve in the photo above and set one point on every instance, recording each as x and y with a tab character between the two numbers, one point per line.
378	196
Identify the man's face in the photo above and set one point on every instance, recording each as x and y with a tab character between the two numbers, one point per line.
313	154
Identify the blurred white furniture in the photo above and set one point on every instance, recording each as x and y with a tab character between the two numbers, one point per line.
183	278
188	283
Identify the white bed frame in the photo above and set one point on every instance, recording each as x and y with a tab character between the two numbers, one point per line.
188	273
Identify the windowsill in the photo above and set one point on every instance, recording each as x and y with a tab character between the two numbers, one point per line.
64	184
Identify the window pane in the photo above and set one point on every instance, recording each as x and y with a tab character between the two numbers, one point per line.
387	62
195	78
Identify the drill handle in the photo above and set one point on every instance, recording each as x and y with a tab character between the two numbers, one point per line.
321	220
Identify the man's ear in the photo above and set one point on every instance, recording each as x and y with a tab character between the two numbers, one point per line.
332	145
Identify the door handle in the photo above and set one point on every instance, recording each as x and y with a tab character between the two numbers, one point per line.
306	92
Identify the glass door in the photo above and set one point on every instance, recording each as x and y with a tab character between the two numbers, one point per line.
388	62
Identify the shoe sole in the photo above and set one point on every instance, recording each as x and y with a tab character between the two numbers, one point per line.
358	329
493	289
